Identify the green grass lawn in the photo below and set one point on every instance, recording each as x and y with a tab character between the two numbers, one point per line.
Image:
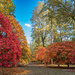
39	62
66	65
62	65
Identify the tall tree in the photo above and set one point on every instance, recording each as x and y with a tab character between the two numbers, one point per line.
39	25
60	10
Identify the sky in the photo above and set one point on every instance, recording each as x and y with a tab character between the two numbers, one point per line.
23	13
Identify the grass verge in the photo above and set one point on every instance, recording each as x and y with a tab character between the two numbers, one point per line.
12	71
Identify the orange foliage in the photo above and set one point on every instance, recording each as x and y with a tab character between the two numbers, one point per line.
12	71
40	54
35	53
60	52
25	56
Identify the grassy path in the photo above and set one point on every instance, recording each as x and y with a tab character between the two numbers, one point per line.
40	70
37	70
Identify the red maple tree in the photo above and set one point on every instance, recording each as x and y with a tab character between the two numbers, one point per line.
60	52
10	50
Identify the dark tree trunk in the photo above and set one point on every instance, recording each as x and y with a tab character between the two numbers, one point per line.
43	43
43	39
46	63
41	61
58	65
68	65
51	32
61	39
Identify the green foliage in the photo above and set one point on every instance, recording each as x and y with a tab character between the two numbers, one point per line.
73	39
53	22
57	40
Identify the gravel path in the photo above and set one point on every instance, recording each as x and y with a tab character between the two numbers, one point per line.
39	70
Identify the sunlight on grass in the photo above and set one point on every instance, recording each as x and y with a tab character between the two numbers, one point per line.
12	71
63	65
72	65
60	65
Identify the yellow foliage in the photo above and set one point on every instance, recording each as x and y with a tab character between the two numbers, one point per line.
5	6
25	56
35	53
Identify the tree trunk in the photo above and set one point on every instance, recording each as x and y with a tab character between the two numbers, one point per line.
51	32
43	43
46	63
43	38
51	61
41	61
58	65
68	65
51	37
60	34
61	39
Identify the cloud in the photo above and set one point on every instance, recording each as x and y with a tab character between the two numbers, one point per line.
28	25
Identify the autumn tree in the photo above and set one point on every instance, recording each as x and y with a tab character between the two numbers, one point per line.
10	50
38	25
60	52
25	56
40	54
35	53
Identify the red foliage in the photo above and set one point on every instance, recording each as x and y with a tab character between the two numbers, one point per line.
73	57
60	52
10	50
1	36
